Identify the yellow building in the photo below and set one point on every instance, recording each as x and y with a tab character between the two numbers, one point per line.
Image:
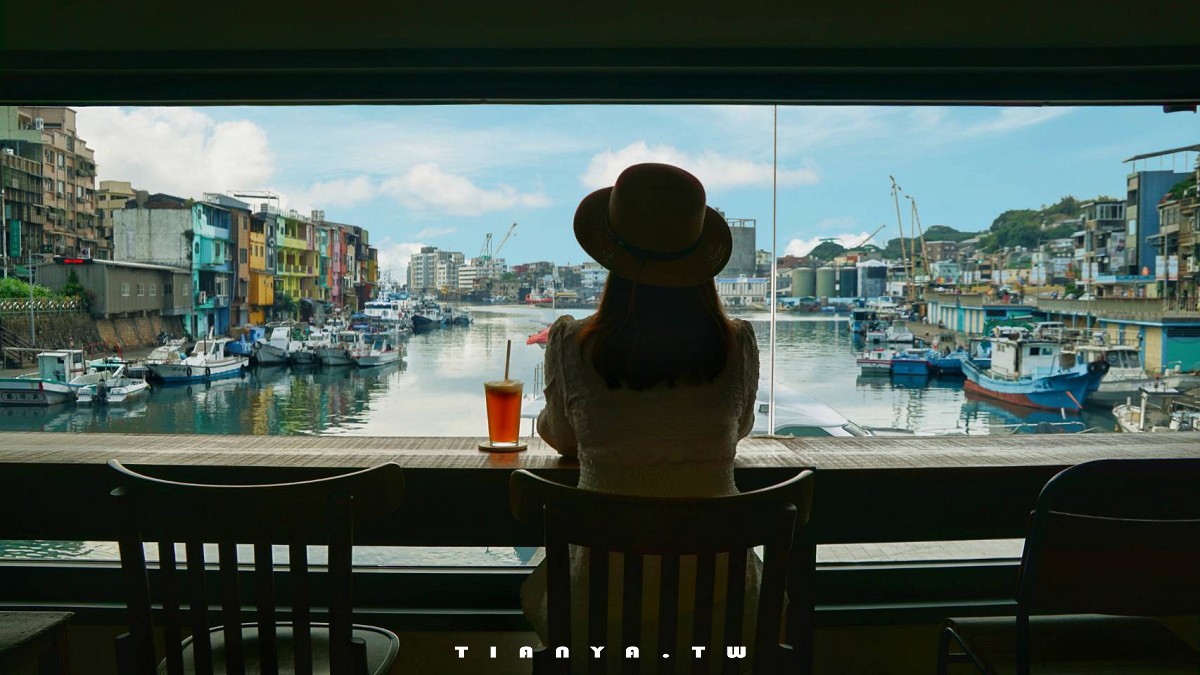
262	283
296	259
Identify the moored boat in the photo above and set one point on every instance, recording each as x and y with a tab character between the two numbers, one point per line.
379	352
170	351
339	352
949	363
899	333
1035	373
1158	409
277	349
1126	376
50	385
912	362
114	390
876	361
208	361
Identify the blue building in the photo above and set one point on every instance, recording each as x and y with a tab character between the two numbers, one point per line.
1145	188
212	268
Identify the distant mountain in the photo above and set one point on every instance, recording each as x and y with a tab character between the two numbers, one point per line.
1027	227
934	233
827	250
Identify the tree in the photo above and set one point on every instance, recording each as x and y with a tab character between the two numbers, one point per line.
74	289
827	250
19	290
285	305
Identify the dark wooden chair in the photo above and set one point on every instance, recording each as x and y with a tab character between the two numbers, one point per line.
636	527
320	512
1111	545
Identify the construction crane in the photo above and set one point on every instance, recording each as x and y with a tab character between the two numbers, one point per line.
870	236
916	219
486	253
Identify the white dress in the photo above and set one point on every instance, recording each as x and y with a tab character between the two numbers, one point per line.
663	442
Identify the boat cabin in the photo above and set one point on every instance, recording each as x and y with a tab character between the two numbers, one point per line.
1027	358
61	366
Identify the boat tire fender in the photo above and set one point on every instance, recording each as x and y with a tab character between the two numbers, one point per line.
189	371
1098	367
207	371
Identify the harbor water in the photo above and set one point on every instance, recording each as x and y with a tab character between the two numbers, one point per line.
438	391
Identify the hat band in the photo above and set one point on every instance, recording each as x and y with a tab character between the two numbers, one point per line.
639	252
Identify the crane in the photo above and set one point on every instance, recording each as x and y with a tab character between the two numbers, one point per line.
870	236
916	218
486	253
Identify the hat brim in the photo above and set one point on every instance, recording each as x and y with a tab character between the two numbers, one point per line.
703	263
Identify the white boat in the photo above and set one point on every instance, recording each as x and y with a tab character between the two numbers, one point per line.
385	311
899	333
277	349
306	354
1159	409
876	361
50	385
114	390
797	414
379	352
170	351
208	361
1126	377
339	353
99	370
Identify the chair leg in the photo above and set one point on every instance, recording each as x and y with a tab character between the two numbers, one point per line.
945	658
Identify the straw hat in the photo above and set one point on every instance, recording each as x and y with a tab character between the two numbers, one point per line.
653	227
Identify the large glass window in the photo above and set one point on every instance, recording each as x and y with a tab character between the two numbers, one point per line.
864	237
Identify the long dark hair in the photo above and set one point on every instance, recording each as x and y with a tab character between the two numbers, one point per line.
642	335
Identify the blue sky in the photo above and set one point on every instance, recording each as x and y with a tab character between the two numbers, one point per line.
446	175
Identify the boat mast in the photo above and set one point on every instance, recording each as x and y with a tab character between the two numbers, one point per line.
900	226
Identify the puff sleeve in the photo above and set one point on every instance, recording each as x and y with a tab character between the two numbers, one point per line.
553	425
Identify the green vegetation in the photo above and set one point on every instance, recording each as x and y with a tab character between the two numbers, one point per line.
1026	227
74	289
1181	188
17	289
934	233
827	250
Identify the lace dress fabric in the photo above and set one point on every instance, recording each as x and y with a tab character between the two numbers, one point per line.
665	442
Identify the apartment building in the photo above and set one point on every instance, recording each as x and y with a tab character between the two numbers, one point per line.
112	195
49	178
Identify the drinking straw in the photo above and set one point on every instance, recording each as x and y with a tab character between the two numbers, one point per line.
507	357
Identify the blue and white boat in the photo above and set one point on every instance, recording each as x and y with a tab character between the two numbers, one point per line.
1034	373
861	320
244	345
950	363
208	361
912	362
876	361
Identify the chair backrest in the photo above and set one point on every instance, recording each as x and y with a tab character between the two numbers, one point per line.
317	512
1118	537
669	528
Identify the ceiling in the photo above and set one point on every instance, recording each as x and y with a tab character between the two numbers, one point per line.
956	51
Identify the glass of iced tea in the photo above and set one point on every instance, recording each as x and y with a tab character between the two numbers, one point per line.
503	413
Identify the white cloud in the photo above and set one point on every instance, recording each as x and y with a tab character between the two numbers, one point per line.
394	257
180	151
338	192
714	170
837	229
428	187
434	232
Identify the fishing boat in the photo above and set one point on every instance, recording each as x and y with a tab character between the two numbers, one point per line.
1036	373
114	390
898	333
339	352
385	310
1158	409
876	361
243	345
1126	375
861	320
277	349
208	361
380	351
912	362
949	363
170	351
306	353
426	316
50	385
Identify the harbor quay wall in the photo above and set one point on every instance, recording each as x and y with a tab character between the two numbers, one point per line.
79	330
